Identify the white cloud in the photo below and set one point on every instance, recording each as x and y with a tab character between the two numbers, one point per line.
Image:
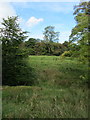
6	10
33	21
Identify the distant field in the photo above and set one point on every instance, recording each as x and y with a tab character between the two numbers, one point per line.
60	92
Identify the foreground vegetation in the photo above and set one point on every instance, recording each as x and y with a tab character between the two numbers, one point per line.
61	91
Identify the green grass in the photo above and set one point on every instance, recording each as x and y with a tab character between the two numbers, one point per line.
59	72
38	102
61	91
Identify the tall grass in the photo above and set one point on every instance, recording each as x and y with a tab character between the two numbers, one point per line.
38	102
59	72
61	91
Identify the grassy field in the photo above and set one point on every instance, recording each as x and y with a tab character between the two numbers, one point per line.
61	91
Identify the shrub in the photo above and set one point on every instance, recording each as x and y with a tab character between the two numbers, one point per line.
67	54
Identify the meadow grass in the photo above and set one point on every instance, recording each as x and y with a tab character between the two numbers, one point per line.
56	71
61	91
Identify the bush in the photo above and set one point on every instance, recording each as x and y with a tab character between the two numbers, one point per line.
22	74
67	54
57	52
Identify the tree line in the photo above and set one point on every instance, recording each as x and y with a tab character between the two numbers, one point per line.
37	47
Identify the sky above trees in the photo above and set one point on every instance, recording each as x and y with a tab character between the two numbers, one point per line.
35	16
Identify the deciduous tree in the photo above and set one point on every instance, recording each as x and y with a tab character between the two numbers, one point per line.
80	31
50	35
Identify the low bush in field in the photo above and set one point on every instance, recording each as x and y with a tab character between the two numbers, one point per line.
23	74
67	54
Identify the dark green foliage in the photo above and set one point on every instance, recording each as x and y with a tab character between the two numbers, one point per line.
14	69
35	47
30	44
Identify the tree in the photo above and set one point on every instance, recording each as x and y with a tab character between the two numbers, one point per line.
14	68
30	45
66	46
50	35
80	31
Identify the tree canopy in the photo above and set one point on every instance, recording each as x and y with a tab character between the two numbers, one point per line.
79	33
50	35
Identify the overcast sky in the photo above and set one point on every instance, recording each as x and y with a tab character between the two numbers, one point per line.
35	16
